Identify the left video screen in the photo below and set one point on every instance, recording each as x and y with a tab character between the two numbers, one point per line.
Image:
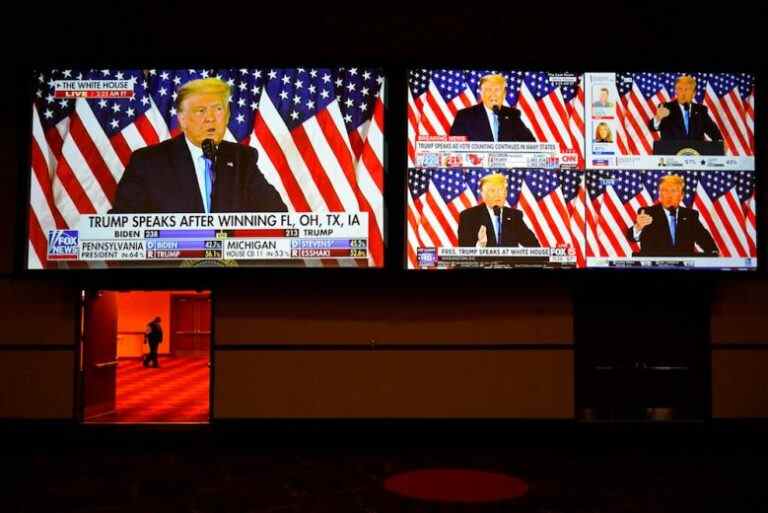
247	167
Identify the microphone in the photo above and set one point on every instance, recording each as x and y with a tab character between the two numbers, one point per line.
497	211
687	107
496	110
209	150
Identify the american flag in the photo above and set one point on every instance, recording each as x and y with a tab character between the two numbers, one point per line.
163	85
553	111
319	133
729	97
725	201
552	202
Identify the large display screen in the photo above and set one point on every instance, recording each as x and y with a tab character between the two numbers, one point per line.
206	167
510	168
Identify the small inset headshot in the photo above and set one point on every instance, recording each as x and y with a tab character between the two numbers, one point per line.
603	98
603	133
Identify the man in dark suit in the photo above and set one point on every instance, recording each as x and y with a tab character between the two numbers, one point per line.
490	223
177	175
491	120
683	120
667	229
153	336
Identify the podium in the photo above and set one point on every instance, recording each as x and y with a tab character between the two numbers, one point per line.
688	148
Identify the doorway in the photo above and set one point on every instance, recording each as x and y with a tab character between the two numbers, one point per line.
119	382
191	321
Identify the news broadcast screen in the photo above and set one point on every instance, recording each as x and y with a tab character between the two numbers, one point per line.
675	120
488	118
502	218
206	168
595	170
676	220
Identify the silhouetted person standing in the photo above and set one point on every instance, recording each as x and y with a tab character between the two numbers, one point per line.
153	336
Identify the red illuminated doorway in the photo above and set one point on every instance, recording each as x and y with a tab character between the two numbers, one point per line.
178	389
191	324
98	352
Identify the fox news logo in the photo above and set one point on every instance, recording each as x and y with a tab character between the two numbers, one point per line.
62	245
427	257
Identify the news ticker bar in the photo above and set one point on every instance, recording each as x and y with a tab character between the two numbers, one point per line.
610	159
673	262
136	237
498	256
216	249
344	224
438	258
442	151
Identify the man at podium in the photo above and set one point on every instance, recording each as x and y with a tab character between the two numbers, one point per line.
682	120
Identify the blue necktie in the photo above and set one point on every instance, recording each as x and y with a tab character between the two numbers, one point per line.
495	127
686	119
208	183
672	224
497	224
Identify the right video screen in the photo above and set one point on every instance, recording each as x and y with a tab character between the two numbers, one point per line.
511	168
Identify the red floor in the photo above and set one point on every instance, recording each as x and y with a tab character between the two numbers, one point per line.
177	391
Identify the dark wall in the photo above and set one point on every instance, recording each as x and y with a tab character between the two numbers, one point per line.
390	306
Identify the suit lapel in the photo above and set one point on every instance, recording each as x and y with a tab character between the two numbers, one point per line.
485	123
226	182
186	179
693	121
507	225
680	121
226	162
664	224
489	228
682	225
